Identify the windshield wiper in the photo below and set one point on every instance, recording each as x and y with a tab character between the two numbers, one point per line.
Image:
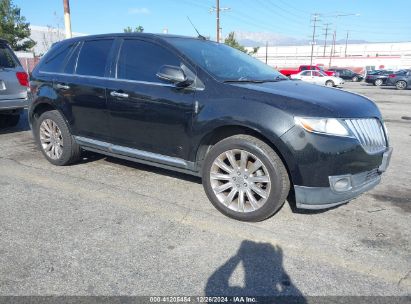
244	80
278	78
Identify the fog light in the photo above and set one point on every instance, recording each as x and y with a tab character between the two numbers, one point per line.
340	183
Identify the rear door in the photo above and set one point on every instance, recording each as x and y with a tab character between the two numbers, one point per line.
81	87
10	87
146	112
306	76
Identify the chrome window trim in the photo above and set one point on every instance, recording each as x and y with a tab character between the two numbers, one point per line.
118	79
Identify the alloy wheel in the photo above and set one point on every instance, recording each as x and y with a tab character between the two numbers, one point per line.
240	181
51	139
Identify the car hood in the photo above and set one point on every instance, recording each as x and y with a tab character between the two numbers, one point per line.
300	98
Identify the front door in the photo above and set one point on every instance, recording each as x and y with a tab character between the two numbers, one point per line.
148	113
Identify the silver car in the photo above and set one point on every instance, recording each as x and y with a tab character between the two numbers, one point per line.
14	86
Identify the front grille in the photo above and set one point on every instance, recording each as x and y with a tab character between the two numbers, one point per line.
369	132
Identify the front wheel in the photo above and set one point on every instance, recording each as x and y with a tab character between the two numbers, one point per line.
355	79
330	83
401	85
55	140
245	179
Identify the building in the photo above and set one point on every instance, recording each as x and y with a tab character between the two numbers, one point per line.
45	36
396	55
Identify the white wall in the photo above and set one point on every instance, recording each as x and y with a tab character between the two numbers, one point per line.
389	55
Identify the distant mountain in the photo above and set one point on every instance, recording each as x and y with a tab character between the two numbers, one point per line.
253	39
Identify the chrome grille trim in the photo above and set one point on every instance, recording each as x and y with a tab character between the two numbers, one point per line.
369	132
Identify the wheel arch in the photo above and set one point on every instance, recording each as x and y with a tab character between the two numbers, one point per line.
222	132
42	106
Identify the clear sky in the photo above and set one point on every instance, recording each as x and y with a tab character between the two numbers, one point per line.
378	20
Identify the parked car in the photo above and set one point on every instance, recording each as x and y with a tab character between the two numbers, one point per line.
289	72
318	77
206	109
400	79
347	74
14	83
377	77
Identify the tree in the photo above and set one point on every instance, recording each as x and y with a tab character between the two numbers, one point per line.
231	41
138	29
14	28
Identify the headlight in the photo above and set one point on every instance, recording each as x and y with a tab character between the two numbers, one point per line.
331	126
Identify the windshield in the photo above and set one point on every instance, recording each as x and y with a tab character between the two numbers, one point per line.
225	63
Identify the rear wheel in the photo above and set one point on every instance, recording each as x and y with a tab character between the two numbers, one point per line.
355	79
245	179
401	85
55	140
330	83
378	82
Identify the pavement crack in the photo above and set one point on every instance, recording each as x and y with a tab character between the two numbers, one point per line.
407	276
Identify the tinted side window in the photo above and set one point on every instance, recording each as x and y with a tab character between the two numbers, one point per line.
141	60
7	59
93	57
55	61
306	73
72	60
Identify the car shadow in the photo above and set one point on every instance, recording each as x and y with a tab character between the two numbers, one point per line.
264	275
152	169
22	126
393	88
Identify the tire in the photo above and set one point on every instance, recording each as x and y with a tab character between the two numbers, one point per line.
264	190
329	83
378	82
9	120
60	138
355	79
401	85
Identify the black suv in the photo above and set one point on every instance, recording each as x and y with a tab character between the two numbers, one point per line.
206	109
347	74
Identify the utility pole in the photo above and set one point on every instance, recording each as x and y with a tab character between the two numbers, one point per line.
218	20
332	48
346	43
313	39
327	26
67	21
266	52
218	10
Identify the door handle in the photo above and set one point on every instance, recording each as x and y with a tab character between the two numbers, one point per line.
62	86
118	94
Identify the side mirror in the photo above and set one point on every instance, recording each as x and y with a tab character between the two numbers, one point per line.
175	75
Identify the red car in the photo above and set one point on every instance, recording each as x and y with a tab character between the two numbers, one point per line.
289	72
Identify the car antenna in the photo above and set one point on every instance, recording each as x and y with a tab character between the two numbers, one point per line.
198	33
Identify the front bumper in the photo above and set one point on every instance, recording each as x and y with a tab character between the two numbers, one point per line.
327	197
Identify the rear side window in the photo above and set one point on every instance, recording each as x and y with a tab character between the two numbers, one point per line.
306	73
55	61
7	58
93	57
72	60
141	60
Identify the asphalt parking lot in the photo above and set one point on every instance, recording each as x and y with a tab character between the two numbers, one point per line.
110	227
